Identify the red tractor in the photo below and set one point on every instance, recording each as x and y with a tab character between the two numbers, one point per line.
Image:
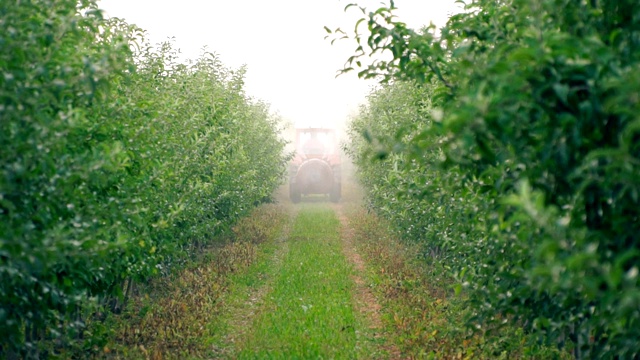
315	169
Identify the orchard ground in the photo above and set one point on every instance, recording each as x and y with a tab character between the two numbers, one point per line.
311	280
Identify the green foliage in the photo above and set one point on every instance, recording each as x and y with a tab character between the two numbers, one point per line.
419	306
117	161
517	156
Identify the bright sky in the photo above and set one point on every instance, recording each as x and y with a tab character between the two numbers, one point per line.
290	64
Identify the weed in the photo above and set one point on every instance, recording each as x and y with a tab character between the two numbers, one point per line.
419	305
170	316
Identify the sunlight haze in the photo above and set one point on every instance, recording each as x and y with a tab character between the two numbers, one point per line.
290	64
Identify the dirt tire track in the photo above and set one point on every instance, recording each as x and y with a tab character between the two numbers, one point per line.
364	299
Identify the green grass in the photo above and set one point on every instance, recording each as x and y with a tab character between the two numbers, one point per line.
309	311
228	326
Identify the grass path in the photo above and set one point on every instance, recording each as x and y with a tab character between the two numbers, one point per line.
309	312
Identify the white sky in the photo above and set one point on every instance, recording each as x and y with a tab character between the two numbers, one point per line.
289	63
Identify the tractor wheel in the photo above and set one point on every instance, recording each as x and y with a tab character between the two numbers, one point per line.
294	193
336	192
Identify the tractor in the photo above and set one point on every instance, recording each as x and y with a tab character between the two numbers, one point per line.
315	168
